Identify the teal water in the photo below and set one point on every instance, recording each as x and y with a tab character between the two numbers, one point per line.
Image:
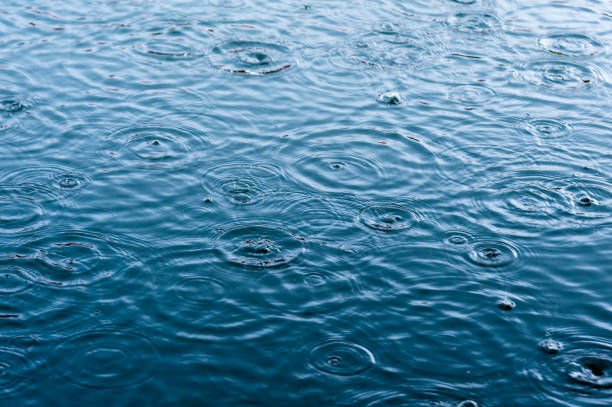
297	203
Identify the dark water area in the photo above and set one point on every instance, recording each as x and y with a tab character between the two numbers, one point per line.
298	203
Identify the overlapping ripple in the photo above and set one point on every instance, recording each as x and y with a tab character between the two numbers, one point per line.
19	370
578	370
540	198
67	258
561	75
306	292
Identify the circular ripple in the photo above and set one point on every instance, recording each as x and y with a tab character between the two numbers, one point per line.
105	358
21	207
341	358
19	214
425	394
195	303
259	246
575	45
75	258
471	94
14	280
167	50
386	48
8	105
590	199
298	292
359	161
12	95
529	199
474	163
319	217
252	57
546	128
532	199
387	218
458	239
475	23
171	41
198	290
492	254
29	306
559	75
17	371
61	179
154	146
577	365
243	183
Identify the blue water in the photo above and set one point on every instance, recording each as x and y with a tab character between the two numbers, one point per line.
298	203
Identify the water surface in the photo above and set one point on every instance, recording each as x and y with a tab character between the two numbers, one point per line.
248	203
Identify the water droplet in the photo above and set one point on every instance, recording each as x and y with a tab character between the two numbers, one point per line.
389	98
341	358
551	346
505	304
387	28
67	181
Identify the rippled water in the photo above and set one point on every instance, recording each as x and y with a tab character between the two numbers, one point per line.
362	203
